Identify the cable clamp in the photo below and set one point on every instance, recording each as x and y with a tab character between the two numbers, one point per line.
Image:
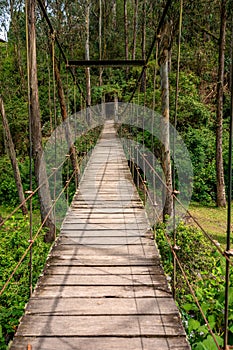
229	252
31	241
29	192
175	192
176	247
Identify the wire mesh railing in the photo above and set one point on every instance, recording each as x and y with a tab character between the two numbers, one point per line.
26	255
200	259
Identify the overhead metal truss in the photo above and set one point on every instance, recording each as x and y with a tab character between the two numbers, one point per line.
106	63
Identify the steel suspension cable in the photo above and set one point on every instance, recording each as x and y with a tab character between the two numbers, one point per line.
173	141
42	7
192	291
172	248
189	213
165	11
36	235
30	195
153	121
30	147
53	36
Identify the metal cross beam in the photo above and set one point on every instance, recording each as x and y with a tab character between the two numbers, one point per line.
106	63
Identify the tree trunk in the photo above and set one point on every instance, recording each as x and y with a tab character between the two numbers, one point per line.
87	57
15	26
126	35
143	85
64	114
165	136
12	154
114	14
231	53
35	125
100	41
100	57
135	24
221	196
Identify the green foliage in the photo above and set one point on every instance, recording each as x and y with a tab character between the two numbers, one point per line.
14	237
201	145
191	111
8	191
205	270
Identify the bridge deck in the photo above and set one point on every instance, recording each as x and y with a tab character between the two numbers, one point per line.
103	286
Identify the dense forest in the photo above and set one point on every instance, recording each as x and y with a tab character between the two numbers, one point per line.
126	30
195	39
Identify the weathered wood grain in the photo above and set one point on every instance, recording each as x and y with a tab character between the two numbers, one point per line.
103	286
100	343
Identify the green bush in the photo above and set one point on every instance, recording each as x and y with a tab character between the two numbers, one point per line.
205	270
8	190
201	146
14	237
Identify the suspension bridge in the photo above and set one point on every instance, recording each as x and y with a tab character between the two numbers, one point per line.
103	286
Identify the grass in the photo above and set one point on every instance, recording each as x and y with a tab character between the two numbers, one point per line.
212	219
6	211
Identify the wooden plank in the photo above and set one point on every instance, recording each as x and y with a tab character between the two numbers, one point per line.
102	306
100	280
102	261
101	291
102	343
129	244
102	233
103	270
103	286
106	226
120	325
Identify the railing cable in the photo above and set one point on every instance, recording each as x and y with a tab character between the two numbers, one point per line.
31	242
173	141
172	248
30	195
165	11
192	291
216	244
30	147
42	7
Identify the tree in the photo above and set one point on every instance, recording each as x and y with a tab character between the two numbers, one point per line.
165	138
100	40
135	24
64	114
143	85
35	125
126	34
12	154
87	57
221	196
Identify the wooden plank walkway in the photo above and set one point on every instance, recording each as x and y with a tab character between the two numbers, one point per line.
103	286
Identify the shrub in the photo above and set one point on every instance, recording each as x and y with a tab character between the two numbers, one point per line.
205	270
14	240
